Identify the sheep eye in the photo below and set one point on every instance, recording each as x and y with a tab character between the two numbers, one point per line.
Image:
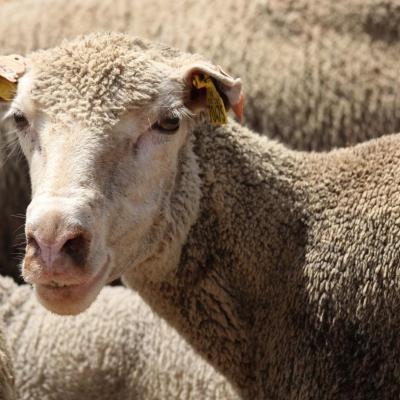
20	120
167	125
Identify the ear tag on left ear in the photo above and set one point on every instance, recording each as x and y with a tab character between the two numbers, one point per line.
215	103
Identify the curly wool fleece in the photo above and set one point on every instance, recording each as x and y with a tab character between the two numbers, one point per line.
288	280
117	350
293	267
7	379
317	74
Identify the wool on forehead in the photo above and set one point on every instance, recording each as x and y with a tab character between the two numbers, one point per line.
95	78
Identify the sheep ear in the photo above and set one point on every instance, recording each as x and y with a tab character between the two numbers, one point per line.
213	89
11	69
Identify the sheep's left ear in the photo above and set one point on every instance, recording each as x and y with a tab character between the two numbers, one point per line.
213	89
11	69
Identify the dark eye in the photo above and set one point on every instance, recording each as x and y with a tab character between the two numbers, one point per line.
20	120
167	125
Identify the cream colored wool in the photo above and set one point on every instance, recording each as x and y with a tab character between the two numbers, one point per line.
317	74
117	350
7	379
288	278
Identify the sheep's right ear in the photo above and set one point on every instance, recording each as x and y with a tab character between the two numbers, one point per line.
11	69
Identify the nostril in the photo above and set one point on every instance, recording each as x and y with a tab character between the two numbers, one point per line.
73	243
77	248
32	244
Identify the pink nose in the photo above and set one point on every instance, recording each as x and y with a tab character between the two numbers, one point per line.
73	243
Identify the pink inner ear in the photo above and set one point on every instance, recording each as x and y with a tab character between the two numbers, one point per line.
238	108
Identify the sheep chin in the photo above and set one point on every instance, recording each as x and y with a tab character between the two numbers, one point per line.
71	299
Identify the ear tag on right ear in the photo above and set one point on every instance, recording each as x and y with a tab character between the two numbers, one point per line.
7	89
215	104
11	69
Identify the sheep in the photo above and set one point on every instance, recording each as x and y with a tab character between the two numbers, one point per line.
117	350
7	383
277	266
318	74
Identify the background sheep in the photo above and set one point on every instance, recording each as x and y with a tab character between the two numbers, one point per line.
317	74
279	267
7	384
117	350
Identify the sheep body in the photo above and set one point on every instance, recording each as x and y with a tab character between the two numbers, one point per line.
117	350
279	267
315	74
292	266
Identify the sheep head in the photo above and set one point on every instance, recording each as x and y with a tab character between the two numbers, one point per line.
105	123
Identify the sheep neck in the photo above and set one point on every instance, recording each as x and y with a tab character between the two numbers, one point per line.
248	233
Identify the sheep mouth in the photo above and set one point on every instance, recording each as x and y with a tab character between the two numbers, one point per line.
65	289
57	285
60	286
71	298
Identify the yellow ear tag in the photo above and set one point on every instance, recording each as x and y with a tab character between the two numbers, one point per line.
7	89
215	104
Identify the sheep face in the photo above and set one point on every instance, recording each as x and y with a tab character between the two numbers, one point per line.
105	124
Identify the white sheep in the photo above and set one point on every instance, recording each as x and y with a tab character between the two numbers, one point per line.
307	67
279	267
117	350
